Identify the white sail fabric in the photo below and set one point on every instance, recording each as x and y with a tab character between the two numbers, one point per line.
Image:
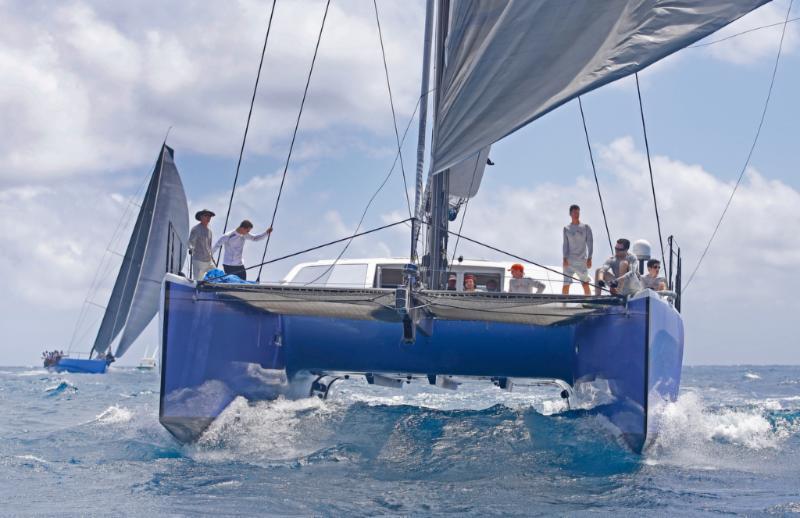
165	246
509	62
466	176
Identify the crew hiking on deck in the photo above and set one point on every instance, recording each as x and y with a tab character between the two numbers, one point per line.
653	280
577	251
619	271
233	242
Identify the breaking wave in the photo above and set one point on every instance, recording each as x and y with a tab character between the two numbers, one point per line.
114	415
62	387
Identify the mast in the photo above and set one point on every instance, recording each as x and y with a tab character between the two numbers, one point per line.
423	119
439	186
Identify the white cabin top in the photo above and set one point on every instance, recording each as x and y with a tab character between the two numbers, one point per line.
387	272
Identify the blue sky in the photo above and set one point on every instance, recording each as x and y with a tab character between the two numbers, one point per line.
94	87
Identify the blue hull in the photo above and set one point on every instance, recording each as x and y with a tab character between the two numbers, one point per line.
216	349
80	366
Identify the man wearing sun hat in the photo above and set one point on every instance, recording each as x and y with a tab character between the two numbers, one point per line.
521	284
200	245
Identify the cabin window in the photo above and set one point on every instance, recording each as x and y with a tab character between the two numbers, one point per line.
388	277
487	281
338	276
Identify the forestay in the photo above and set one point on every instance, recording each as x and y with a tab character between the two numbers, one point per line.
510	62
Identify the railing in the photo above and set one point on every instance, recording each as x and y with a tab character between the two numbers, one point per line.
675	253
175	251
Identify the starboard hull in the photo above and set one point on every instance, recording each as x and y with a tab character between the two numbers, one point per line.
215	349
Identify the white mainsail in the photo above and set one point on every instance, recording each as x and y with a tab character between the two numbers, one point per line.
508	62
156	247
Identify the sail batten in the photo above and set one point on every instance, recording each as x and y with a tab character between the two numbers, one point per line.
510	62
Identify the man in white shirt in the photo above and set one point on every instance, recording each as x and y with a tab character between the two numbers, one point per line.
233	242
521	284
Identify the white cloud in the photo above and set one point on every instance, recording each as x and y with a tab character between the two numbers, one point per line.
746	278
756	46
94	84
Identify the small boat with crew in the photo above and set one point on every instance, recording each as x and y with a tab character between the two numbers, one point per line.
156	247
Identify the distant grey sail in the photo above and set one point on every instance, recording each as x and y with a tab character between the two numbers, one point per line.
156	247
508	62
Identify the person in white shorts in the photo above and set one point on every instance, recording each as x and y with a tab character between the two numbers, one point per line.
577	251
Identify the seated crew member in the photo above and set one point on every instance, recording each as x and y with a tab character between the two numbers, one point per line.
652	280
521	284
233	242
469	283
451	282
618	269
491	285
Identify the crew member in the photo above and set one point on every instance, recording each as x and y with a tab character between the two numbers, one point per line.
200	245
233	242
577	251
521	284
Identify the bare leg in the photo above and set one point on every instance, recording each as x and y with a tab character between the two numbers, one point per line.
598	277
586	288
565	289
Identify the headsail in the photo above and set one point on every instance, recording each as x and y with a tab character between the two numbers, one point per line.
156	246
510	62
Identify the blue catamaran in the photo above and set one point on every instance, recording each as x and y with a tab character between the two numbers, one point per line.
156	248
499	65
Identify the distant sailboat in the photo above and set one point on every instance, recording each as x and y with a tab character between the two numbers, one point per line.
148	361
156	247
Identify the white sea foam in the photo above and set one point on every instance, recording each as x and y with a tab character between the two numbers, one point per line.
270	430
752	376
689	421
32	457
114	415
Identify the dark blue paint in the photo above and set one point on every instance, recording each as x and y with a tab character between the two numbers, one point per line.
80	366
215	350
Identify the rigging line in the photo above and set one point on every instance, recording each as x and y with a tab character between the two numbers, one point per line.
464	215
374	195
594	170
650	168
697	45
391	104
523	259
105	266
749	154
376	229
247	124
294	137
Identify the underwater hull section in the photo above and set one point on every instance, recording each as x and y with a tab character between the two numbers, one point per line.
215	349
80	366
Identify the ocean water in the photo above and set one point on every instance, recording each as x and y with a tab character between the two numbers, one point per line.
92	445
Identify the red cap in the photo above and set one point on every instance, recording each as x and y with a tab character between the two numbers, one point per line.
469	276
516	266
